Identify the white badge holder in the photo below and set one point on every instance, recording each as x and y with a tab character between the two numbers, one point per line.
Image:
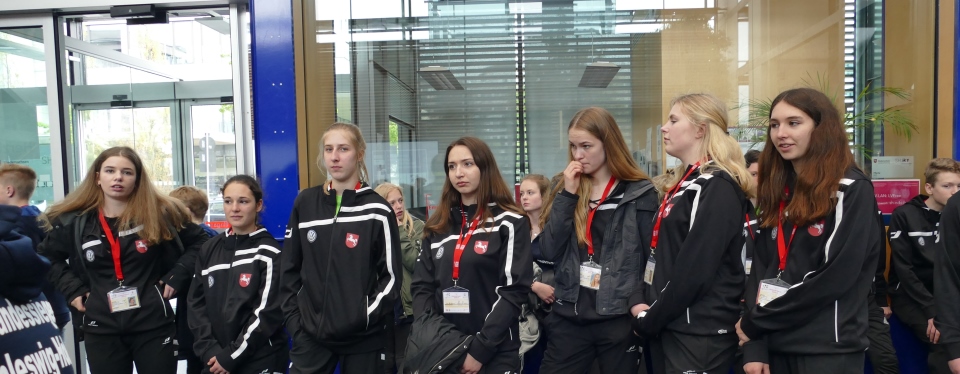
456	300
123	298
748	265
590	275
649	270
771	289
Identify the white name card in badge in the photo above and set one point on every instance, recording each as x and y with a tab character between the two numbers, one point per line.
747	265
771	289
456	300
590	275
648	270
123	298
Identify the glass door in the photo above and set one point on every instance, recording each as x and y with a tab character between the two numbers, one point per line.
214	152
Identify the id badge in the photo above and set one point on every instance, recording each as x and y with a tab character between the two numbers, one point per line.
648	270
123	298
771	289
748	265
456	300
590	275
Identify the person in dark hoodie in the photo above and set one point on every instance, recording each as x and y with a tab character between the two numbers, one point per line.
816	254
597	225
32	341
341	265
17	183
915	242
946	283
234	301
130	249
474	267
689	301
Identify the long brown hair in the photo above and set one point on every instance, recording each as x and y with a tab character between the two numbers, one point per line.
599	123
819	178
709	113
145	206
492	188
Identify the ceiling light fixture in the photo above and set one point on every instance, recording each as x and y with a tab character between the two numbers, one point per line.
598	74
440	78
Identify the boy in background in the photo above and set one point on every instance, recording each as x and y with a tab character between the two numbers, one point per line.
195	200
17	183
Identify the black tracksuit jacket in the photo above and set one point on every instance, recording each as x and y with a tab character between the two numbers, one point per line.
946	282
494	267
234	300
914	243
699	273
830	265
341	273
91	270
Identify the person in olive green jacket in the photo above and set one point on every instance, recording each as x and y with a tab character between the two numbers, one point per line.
411	234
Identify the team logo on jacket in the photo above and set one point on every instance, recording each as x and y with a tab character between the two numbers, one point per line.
245	279
439	253
141	246
666	210
89	255
311	236
773	233
920	240
209	281
480	246
816	229
352	240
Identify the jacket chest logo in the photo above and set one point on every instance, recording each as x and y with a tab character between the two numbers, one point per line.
352	240
90	255
245	279
480	246
667	209
439	253
141	246
312	236
920	241
210	281
816	229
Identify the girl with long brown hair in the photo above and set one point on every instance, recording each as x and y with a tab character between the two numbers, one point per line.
130	249
596	229
474	269
817	249
694	278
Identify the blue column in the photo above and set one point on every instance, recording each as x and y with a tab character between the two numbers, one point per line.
274	108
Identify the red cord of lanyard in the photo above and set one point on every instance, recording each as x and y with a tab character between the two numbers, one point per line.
357	187
462	242
670	195
606	192
783	248
114	247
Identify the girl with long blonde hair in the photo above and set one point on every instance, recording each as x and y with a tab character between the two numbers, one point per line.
596	229
697	243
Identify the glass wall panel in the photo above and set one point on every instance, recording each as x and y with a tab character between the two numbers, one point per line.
510	72
24	118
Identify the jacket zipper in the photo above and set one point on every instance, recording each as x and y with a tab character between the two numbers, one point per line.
326	277
434	366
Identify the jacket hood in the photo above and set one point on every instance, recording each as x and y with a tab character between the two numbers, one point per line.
30	211
919	201
9	215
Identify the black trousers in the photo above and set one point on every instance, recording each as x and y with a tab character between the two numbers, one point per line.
911	314
154	352
848	363
881	352
572	347
675	353
277	361
308	356
397	335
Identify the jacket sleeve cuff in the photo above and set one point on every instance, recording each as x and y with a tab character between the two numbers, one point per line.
953	350
480	352
930	311
635	298
225	361
749	329
756	351
567	194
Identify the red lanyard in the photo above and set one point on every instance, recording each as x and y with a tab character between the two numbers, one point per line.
114	246
606	191
749	228
462	243
670	195
782	248
357	187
